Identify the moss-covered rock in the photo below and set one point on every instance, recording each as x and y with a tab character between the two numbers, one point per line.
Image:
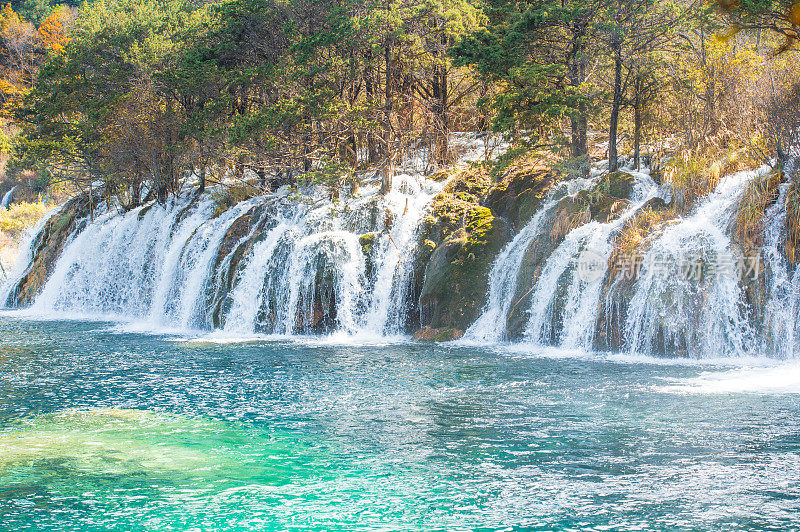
520	191
367	241
468	225
616	184
456	276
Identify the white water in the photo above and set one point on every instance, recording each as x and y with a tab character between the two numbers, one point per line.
302	268
782	311
671	311
254	283
491	325
395	252
23	262
8	197
783	378
565	304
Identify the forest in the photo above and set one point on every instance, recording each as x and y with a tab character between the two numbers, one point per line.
143	96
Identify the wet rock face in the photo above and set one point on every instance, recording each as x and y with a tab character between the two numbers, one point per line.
519	193
236	246
456	277
469	224
47	247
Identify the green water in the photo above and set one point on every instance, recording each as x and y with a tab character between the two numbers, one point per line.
105	430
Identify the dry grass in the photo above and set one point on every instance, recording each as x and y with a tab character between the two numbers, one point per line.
566	220
227	196
693	174
792	246
757	198
636	233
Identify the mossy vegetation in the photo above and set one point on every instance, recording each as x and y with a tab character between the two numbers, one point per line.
521	180
367	241
227	196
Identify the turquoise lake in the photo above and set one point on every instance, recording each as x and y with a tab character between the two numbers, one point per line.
102	429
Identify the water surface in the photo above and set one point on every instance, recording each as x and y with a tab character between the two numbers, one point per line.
102	429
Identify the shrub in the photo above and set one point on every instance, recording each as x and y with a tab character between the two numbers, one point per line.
226	197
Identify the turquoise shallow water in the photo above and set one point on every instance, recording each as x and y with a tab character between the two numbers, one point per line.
107	430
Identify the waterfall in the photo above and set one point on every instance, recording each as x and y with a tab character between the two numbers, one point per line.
394	255
176	231
255	282
490	327
565	303
23	262
313	255
298	262
674	312
8	197
298	267
782	310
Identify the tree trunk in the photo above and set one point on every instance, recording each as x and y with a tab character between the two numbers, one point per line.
440	96
373	153
613	159
442	127
637	121
388	112
91	203
202	187
577	75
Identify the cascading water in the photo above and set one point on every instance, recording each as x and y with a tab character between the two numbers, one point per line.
565	304
8	197
255	283
289	265
490	327
782	310
393	259
301	267
312	257
152	261
12	280
705	314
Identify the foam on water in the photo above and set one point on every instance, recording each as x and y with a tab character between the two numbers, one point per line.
774	379
490	327
300	269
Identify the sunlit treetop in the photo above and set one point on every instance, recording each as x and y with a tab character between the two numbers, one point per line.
779	16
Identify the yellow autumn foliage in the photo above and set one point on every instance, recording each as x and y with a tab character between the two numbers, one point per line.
52	30
21	216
